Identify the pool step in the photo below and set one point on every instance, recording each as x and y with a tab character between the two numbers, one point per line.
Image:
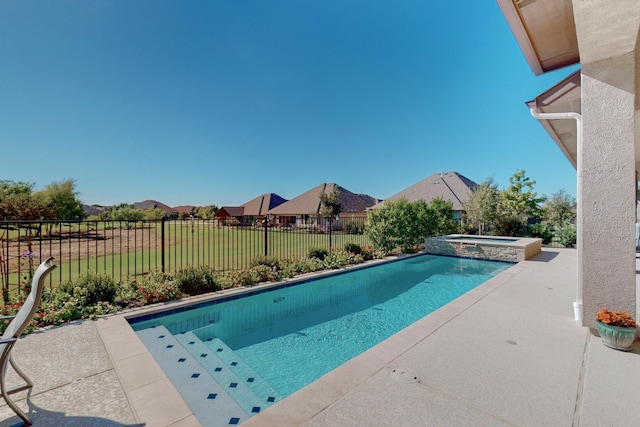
246	387
208	400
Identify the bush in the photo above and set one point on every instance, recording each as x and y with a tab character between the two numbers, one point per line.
540	230
305	265
512	227
353	248
353	227
467	228
367	253
197	280
268	260
409	250
340	259
566	234
152	288
318	252
94	288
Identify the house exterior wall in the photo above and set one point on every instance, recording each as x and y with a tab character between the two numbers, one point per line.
606	241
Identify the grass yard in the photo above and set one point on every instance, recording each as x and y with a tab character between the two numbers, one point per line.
129	251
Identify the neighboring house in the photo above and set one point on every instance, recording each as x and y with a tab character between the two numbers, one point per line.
230	215
304	210
185	209
450	186
250	213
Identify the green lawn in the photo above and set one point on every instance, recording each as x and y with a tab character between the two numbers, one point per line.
136	251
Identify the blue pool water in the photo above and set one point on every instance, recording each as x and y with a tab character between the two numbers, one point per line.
261	348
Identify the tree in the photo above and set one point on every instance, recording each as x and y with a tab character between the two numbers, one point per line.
441	212
517	203
560	208
330	207
153	214
123	212
206	212
10	189
519	199
62	199
17	203
482	207
385	225
405	225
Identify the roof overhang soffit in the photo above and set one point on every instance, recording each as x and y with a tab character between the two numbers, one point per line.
565	97
545	31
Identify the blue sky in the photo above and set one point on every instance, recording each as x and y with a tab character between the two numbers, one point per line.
219	101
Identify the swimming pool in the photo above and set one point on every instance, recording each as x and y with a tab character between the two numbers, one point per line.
246	352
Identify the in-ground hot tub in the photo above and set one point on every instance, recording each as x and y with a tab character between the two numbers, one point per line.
495	248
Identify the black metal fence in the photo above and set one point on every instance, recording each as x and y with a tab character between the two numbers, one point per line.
132	248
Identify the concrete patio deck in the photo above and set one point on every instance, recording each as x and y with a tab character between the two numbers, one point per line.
506	353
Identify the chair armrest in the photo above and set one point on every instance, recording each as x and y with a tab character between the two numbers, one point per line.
7	317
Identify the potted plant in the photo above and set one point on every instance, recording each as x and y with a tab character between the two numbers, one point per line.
617	329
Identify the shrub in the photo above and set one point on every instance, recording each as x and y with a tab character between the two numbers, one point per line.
353	227
512	227
252	275
305	265
197	280
318	253
467	228
353	248
58	306
566	234
94	288
540	230
367	253
268	260
152	288
340	259
409	250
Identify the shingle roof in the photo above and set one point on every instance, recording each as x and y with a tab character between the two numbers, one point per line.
309	202
235	211
184	208
150	204
261	204
450	186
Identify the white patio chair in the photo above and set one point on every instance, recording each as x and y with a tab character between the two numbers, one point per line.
13	331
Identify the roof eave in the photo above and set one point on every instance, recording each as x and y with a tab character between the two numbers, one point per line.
532	33
514	20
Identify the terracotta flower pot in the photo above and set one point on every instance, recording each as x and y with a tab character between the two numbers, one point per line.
616	337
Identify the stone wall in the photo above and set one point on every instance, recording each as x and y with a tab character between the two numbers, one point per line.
490	251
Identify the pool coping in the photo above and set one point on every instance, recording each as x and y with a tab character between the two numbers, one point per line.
156	401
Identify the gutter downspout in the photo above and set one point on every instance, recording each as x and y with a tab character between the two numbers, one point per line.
577	305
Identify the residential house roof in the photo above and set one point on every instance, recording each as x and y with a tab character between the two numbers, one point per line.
235	211
309	202
262	204
254	207
450	186
185	208
150	204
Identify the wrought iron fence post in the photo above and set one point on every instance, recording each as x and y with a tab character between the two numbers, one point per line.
266	243
162	244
